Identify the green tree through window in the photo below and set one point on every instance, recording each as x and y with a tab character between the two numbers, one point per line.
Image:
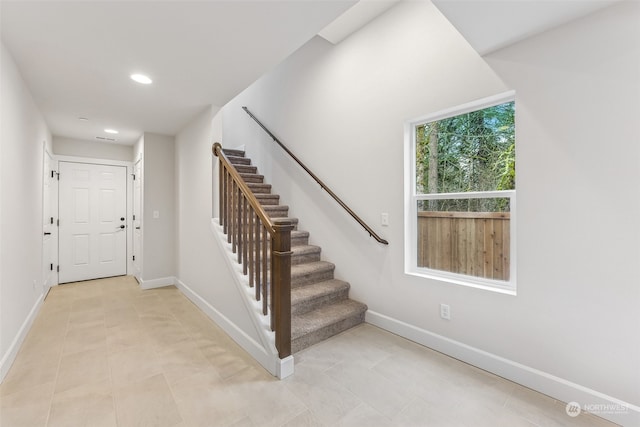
469	152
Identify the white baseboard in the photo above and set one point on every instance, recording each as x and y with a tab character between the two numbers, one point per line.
157	283
267	359
604	406
10	356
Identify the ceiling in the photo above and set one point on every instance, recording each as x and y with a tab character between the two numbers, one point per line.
76	56
489	25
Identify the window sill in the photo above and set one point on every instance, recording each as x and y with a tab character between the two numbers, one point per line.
508	288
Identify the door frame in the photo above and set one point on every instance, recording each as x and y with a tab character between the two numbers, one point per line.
137	272
53	200
128	197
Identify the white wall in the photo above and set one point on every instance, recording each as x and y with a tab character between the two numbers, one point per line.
23	131
159	234
91	149
578	103
201	267
574	322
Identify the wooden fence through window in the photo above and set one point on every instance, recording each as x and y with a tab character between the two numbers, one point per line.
472	243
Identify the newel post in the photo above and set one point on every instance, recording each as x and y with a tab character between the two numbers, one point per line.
281	270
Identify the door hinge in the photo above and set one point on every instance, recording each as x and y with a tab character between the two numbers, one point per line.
58	269
51	267
134	176
51	220
58	222
134	217
52	172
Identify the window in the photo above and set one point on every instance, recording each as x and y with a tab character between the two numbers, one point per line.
460	194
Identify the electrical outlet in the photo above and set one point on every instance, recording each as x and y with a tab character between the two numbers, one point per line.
445	311
384	219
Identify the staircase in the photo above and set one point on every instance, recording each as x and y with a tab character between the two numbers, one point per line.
320	304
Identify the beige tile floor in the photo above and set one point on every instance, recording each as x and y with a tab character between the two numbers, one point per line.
105	353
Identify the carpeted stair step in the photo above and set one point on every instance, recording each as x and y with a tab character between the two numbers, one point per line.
252	177
311	297
237	160
268	199
231	152
317	325
259	188
299	238
246	168
304	254
276	211
311	272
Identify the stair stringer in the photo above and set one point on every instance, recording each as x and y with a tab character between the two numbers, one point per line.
264	352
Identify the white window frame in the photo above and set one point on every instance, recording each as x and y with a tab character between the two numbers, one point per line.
412	198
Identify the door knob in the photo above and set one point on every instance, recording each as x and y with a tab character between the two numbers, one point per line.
122	226
121	218
47	233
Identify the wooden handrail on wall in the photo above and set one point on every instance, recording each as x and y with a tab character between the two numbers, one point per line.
319	181
250	231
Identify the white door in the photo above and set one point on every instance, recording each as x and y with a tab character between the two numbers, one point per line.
92	208
49	223
137	220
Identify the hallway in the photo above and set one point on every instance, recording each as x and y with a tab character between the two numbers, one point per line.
105	353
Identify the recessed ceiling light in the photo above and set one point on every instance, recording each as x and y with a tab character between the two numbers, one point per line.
141	78
102	138
84	119
113	131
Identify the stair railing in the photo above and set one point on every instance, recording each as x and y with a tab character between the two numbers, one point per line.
319	181
249	230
